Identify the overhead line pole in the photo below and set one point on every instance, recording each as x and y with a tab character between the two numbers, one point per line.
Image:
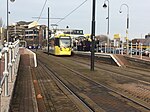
93	35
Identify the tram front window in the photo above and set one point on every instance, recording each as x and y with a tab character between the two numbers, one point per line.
65	42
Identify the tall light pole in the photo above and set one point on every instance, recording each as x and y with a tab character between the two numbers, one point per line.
127	24
93	35
8	18
105	6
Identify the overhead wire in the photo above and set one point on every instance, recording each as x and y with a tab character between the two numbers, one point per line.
42	11
64	16
72	11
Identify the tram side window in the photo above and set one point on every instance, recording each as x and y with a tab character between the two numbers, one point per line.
56	41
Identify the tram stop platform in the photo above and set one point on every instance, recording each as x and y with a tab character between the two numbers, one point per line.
118	59
24	98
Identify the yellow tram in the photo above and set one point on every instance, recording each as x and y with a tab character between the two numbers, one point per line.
60	44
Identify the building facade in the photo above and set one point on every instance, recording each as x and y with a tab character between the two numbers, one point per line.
30	32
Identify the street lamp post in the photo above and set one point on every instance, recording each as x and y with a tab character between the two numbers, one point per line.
105	6
8	18
7	21
127	24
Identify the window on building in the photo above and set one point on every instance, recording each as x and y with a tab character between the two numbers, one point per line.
26	32
30	32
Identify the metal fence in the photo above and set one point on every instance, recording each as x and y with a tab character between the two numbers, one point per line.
11	57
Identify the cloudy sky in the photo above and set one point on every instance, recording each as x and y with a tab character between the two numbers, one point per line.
139	15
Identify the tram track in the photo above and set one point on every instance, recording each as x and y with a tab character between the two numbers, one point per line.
115	91
78	101
133	72
105	86
130	68
140	85
51	106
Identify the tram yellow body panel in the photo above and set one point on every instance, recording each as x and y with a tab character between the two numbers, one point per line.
60	45
62	51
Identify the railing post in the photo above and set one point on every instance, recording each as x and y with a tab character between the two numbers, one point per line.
16	57
5	73
141	51
0	81
10	61
101	48
122	48
110	47
13	59
131	50
105	47
136	48
97	47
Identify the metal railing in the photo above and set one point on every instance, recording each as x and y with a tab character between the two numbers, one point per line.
10	55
